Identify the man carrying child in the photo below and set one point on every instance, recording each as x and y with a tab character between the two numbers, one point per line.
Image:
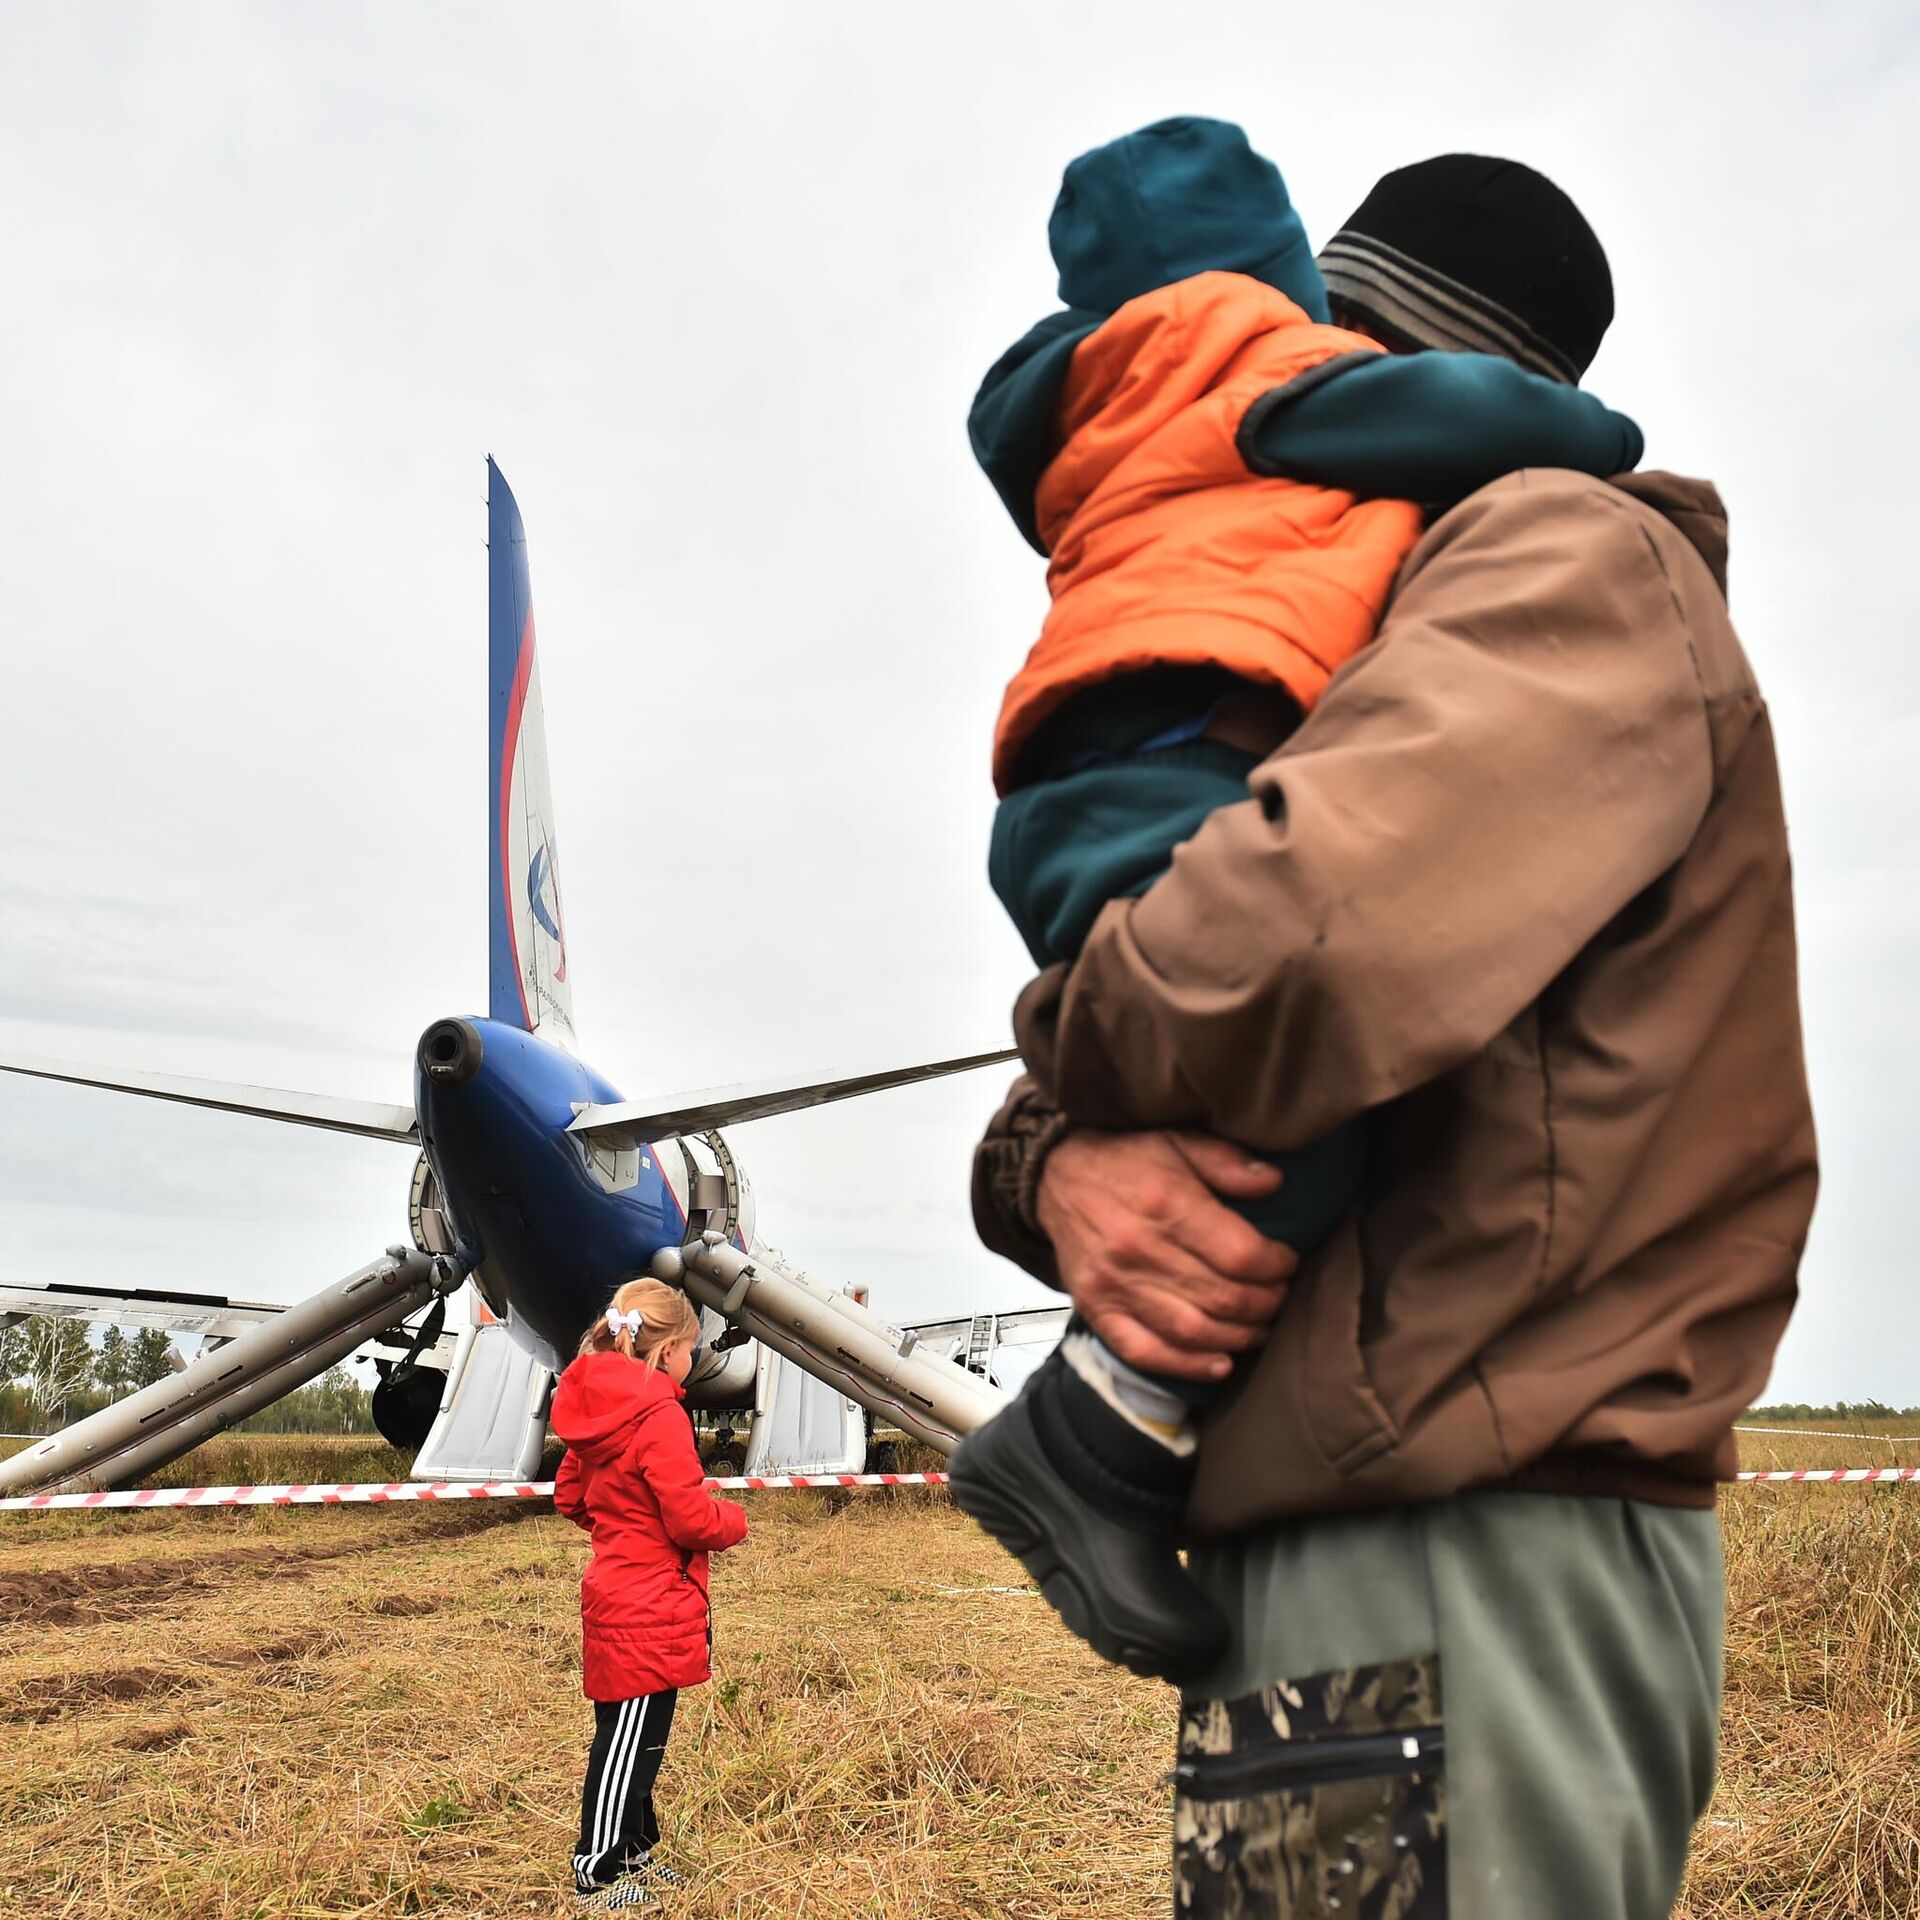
1504	904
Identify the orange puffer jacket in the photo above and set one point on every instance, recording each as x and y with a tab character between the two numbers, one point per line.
1165	548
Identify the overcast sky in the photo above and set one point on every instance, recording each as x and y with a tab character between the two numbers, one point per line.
715	286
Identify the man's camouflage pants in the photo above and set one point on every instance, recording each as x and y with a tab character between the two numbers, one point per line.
1496	1707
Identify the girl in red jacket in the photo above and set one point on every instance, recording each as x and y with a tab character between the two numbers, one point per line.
631	1477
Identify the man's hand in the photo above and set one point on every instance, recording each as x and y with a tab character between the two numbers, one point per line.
1173	1281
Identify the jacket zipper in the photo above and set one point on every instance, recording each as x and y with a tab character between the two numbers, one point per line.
1355	1756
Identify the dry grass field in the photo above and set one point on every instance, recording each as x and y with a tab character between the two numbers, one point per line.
371	1712
1817	1815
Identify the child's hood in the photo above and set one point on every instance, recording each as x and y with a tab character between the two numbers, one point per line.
1180	197
602	1397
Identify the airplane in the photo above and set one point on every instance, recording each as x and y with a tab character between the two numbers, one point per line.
536	1191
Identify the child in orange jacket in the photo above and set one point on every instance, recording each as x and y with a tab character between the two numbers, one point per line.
1225	486
632	1478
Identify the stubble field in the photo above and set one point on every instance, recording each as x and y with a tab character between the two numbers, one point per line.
372	1712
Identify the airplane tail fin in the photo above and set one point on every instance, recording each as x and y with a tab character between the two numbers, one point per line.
528	984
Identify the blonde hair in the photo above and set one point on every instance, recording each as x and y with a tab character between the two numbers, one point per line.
665	1314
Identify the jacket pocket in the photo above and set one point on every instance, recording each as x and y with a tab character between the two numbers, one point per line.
1315	1799
1348	1420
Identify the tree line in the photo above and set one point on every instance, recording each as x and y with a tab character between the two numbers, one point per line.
51	1373
1836	1412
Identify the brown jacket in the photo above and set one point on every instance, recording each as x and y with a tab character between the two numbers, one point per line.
1521	884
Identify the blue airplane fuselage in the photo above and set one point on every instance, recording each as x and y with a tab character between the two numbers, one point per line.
519	1193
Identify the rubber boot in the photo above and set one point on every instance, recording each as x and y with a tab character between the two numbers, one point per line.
1091	1507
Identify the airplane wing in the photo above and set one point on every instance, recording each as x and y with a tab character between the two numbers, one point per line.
213	1315
210	1313
375	1120
663	1119
1006	1347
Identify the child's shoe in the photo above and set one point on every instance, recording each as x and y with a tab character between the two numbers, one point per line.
1090	1503
650	1868
629	1894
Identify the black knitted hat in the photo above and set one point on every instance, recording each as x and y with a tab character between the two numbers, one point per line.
1471	254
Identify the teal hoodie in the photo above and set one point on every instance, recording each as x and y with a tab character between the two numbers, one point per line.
1180	197
1189	196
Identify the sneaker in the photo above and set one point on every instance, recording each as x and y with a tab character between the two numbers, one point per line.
656	1873
1091	1507
626	1895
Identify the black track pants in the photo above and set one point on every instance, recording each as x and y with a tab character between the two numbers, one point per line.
617	1822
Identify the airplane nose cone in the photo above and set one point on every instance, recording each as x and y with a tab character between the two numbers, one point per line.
450	1053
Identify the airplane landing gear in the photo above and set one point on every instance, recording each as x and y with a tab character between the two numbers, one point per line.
406	1402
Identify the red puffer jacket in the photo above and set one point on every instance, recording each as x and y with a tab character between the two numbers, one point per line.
632	1479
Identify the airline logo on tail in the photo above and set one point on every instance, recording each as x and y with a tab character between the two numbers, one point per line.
543	896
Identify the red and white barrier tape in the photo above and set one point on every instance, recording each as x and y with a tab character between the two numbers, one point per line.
1815	1474
377	1493
1817	1433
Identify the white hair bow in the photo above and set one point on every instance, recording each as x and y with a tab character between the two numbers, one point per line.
629	1322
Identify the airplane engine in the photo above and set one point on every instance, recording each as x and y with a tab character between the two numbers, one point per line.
720	1200
748	1214
426	1218
406	1402
719	1194
726	1377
